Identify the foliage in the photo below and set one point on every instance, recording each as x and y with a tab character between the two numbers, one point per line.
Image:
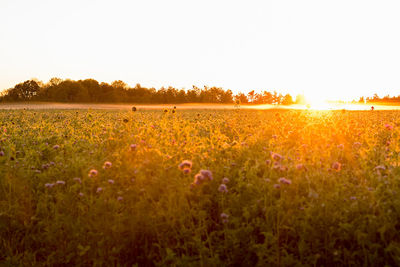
285	188
92	91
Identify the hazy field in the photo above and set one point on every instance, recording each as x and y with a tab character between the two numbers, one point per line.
63	106
86	187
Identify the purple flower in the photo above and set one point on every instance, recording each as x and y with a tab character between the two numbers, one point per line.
80	194
133	147
120	198
77	179
107	165
389	127
284	181
56	147
336	166
224	217
111	181
1	153
185	164
59	182
276	156
186	170
277	186
357	144
223	188
198	179
207	174
49	185
300	166
225	180
99	189
93	173
380	168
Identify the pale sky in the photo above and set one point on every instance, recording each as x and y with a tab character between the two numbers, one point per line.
337	49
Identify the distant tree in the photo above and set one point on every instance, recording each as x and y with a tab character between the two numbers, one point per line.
93	88
193	95
242	98
26	90
267	97
250	96
287	100
121	85
227	97
55	81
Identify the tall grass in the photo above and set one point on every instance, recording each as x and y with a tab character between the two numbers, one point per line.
302	188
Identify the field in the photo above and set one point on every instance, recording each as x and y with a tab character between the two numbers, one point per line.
191	187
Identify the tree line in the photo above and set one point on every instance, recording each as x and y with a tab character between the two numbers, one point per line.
91	91
375	99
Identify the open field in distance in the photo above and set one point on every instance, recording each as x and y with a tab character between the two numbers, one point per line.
46	105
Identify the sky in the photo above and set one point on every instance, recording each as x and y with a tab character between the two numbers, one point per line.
338	49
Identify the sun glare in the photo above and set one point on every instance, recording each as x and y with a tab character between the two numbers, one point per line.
317	102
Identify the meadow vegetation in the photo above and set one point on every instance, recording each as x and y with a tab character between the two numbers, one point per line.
199	188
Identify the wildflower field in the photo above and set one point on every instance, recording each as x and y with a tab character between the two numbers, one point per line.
199	188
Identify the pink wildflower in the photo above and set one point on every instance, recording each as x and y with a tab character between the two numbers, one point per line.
389	127
185	164
380	168
56	147
133	147
283	180
225	180
223	188
120	198
186	170
111	181
336	166
80	194
198	179
107	165
299	166
77	179
276	156
357	144
59	182
99	189
93	173
277	186
207	174
224	217
49	185
283	168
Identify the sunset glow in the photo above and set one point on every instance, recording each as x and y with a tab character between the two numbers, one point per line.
328	50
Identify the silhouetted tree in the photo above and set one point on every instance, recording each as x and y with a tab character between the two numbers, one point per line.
287	100
25	91
242	98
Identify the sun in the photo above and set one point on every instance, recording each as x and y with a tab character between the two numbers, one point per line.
317	102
